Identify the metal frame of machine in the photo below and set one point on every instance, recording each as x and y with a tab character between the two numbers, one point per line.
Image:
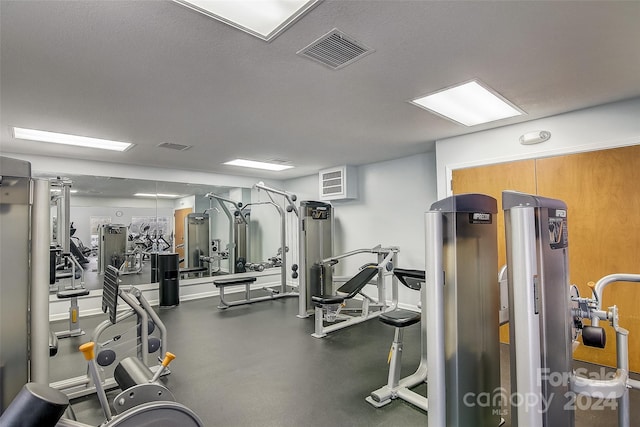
546	317
338	314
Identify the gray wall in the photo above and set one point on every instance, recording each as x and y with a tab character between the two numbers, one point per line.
392	199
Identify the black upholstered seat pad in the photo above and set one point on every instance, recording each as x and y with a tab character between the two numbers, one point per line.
233	281
400	318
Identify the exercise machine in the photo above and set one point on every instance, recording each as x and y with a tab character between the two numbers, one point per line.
316	244
142	400
24	243
400	318
460	355
238	224
112	246
462	303
331	310
546	319
246	281
63	263
197	244
110	338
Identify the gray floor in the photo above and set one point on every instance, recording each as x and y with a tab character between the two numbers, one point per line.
257	365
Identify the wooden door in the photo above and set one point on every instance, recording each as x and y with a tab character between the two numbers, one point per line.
602	193
492	180
179	216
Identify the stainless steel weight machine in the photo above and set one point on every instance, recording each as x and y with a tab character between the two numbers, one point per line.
546	318
316	244
462	303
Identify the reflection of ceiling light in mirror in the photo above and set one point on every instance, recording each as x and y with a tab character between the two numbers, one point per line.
469	104
167	196
257	165
66	139
264	19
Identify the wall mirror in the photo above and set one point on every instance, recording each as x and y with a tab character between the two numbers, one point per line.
153	216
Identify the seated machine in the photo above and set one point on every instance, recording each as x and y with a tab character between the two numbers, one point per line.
546	319
400	319
143	400
65	260
106	355
460	353
332	308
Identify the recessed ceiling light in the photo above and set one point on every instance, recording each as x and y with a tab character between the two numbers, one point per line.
469	104
167	196
264	19
75	140
258	165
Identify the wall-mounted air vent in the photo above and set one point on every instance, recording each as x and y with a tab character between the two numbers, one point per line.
171	146
338	183
335	50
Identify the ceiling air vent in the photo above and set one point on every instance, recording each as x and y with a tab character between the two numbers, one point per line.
335	50
171	146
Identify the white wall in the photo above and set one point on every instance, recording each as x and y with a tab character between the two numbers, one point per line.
392	199
605	126
82	208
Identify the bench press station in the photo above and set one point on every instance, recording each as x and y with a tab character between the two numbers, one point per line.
330	307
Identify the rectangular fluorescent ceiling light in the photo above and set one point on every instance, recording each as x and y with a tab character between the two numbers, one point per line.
264	19
75	140
469	104
258	165
166	196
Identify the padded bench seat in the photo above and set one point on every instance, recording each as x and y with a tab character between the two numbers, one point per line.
72	293
233	281
400	318
327	299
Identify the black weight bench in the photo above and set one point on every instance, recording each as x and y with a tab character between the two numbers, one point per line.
327	307
74	311
350	289
189	270
233	281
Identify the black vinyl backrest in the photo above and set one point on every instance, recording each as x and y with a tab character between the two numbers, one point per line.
357	282
412	279
110	291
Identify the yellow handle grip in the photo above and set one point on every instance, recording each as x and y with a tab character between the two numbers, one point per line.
592	285
87	350
168	357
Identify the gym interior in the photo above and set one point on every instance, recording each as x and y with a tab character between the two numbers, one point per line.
209	223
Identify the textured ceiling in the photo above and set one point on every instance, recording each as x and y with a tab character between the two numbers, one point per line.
149	72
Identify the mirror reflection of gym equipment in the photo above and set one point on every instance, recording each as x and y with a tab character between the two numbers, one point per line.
66	260
26	343
238	248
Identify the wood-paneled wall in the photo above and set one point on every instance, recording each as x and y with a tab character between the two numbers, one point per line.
492	180
602	192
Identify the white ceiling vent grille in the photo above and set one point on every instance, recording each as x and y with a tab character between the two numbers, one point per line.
338	183
335	50
171	146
